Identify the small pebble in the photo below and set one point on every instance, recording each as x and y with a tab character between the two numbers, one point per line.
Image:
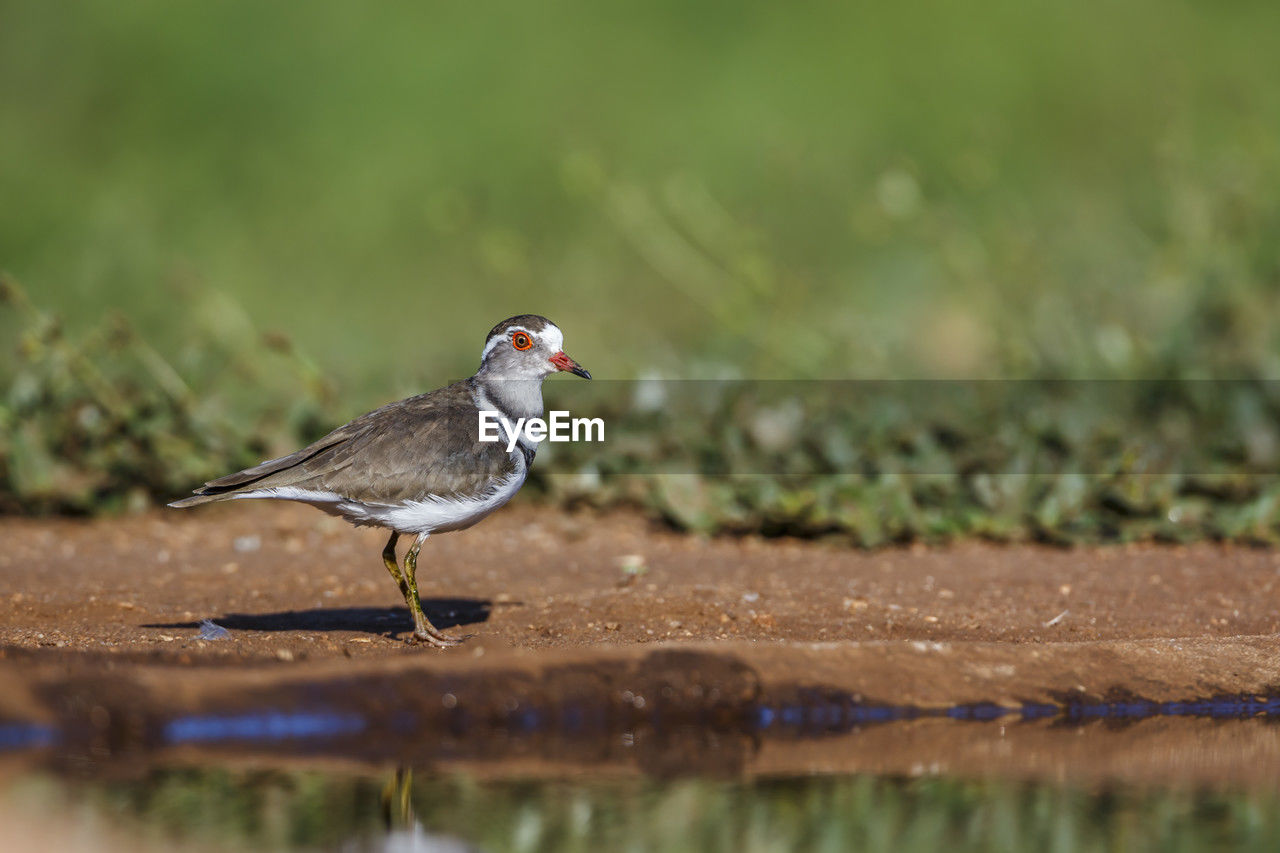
211	631
632	564
246	544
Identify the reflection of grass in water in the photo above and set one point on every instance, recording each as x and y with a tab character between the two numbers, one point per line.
822	813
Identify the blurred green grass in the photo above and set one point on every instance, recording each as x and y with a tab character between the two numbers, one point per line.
909	189
708	190
102	422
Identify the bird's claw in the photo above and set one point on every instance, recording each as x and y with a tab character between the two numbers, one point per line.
439	641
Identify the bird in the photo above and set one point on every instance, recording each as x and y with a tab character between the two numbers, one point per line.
417	466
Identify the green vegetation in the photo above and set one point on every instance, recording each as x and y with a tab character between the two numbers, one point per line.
105	422
242	223
309	811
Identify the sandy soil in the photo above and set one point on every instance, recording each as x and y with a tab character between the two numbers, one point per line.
99	624
536	587
291	582
293	585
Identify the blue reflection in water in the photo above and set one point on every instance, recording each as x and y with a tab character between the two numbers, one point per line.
265	725
27	736
805	716
832	717
1038	711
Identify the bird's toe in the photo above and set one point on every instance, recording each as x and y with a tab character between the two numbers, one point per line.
439	641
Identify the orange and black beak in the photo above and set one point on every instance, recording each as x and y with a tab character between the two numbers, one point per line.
563	362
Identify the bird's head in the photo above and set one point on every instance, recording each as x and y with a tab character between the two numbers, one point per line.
526	347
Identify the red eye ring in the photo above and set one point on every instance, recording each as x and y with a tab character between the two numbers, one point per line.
521	341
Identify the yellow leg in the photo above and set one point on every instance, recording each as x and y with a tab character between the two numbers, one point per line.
423	630
389	560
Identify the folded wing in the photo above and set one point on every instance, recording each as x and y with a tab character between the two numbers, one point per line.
425	446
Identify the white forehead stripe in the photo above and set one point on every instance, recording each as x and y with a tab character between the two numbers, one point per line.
551	334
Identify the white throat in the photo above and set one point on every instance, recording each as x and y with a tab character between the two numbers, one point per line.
515	398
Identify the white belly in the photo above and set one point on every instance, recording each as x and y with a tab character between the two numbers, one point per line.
430	515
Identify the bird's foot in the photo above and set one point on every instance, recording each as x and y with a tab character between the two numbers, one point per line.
432	638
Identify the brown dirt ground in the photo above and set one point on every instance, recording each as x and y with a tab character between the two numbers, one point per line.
292	583
107	610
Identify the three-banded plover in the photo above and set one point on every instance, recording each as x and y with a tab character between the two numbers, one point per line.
418	466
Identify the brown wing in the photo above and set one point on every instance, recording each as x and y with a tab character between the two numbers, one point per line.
425	445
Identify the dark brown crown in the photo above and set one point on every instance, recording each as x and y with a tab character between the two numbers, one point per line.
532	322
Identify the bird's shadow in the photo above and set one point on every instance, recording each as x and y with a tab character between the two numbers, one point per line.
387	621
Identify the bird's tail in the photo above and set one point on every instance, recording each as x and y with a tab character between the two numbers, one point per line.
196	500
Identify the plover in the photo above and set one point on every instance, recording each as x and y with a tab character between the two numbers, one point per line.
418	466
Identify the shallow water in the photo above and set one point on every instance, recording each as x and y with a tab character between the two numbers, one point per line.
679	751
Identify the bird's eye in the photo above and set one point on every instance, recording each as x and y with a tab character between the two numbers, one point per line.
521	341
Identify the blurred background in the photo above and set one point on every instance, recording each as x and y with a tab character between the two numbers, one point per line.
227	227
884	190
294	213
